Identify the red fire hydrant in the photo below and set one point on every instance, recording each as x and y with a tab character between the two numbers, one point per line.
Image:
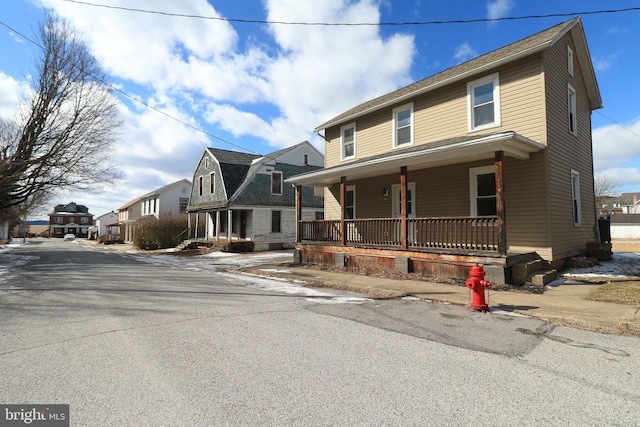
477	284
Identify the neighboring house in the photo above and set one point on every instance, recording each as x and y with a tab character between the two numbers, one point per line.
626	203
70	219
248	192
625	227
488	162
167	200
127	216
106	224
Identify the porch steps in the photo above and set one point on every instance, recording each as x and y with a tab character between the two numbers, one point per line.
186	244
536	271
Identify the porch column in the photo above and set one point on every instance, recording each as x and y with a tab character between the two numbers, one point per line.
189	225
403	208
502	228
343	210
197	219
229	224
298	213
217	225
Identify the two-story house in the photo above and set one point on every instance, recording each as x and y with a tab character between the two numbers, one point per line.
488	162
70	219
241	196
170	199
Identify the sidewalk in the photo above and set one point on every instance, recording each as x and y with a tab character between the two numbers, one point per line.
562	305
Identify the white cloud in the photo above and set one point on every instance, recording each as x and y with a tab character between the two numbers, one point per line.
274	84
464	52
608	142
603	63
11	90
499	8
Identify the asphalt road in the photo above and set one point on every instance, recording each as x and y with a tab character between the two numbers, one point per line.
132	340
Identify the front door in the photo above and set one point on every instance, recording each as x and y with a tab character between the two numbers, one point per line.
411	205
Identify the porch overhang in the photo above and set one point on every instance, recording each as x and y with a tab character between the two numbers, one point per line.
440	153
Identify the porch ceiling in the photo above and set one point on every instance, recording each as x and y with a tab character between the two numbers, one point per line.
446	152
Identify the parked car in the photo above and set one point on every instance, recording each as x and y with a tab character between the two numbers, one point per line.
69	237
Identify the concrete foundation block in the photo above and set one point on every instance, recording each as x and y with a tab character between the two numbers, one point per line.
402	264
341	259
297	256
495	274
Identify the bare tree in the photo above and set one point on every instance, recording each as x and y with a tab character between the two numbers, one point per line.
65	126
604	187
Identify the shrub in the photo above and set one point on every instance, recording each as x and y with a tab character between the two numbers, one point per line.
166	232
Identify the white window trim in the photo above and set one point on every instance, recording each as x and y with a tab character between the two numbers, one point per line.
206	162
496	102
572	108
575	198
394	121
473	186
200	185
351	188
281	183
570	60
342	143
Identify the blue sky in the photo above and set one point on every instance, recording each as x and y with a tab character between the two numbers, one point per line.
260	87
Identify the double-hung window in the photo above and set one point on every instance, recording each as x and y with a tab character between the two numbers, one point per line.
348	141
483	99
571	101
575	196
276	183
350	202
212	182
403	125
482	186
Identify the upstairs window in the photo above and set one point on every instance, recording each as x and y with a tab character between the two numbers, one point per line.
206	162
212	183
570	60
348	141
84	220
482	183
403	125
200	186
57	220
483	99
276	183
571	100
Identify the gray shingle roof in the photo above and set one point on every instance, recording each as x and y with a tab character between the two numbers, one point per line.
233	166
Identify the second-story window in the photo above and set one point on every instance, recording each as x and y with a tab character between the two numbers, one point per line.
212	183
483	98
570	60
276	183
200	186
348	141
57	220
571	100
403	125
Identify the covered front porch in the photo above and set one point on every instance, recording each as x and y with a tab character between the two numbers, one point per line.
408	240
212	225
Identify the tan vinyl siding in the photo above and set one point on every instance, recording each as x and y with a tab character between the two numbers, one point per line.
567	152
443	113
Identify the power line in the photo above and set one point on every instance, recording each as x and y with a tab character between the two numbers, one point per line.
356	24
618	124
138	100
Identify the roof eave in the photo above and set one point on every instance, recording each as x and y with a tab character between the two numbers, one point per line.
511	143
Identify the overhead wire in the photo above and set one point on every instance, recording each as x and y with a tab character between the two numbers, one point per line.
138	100
353	24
